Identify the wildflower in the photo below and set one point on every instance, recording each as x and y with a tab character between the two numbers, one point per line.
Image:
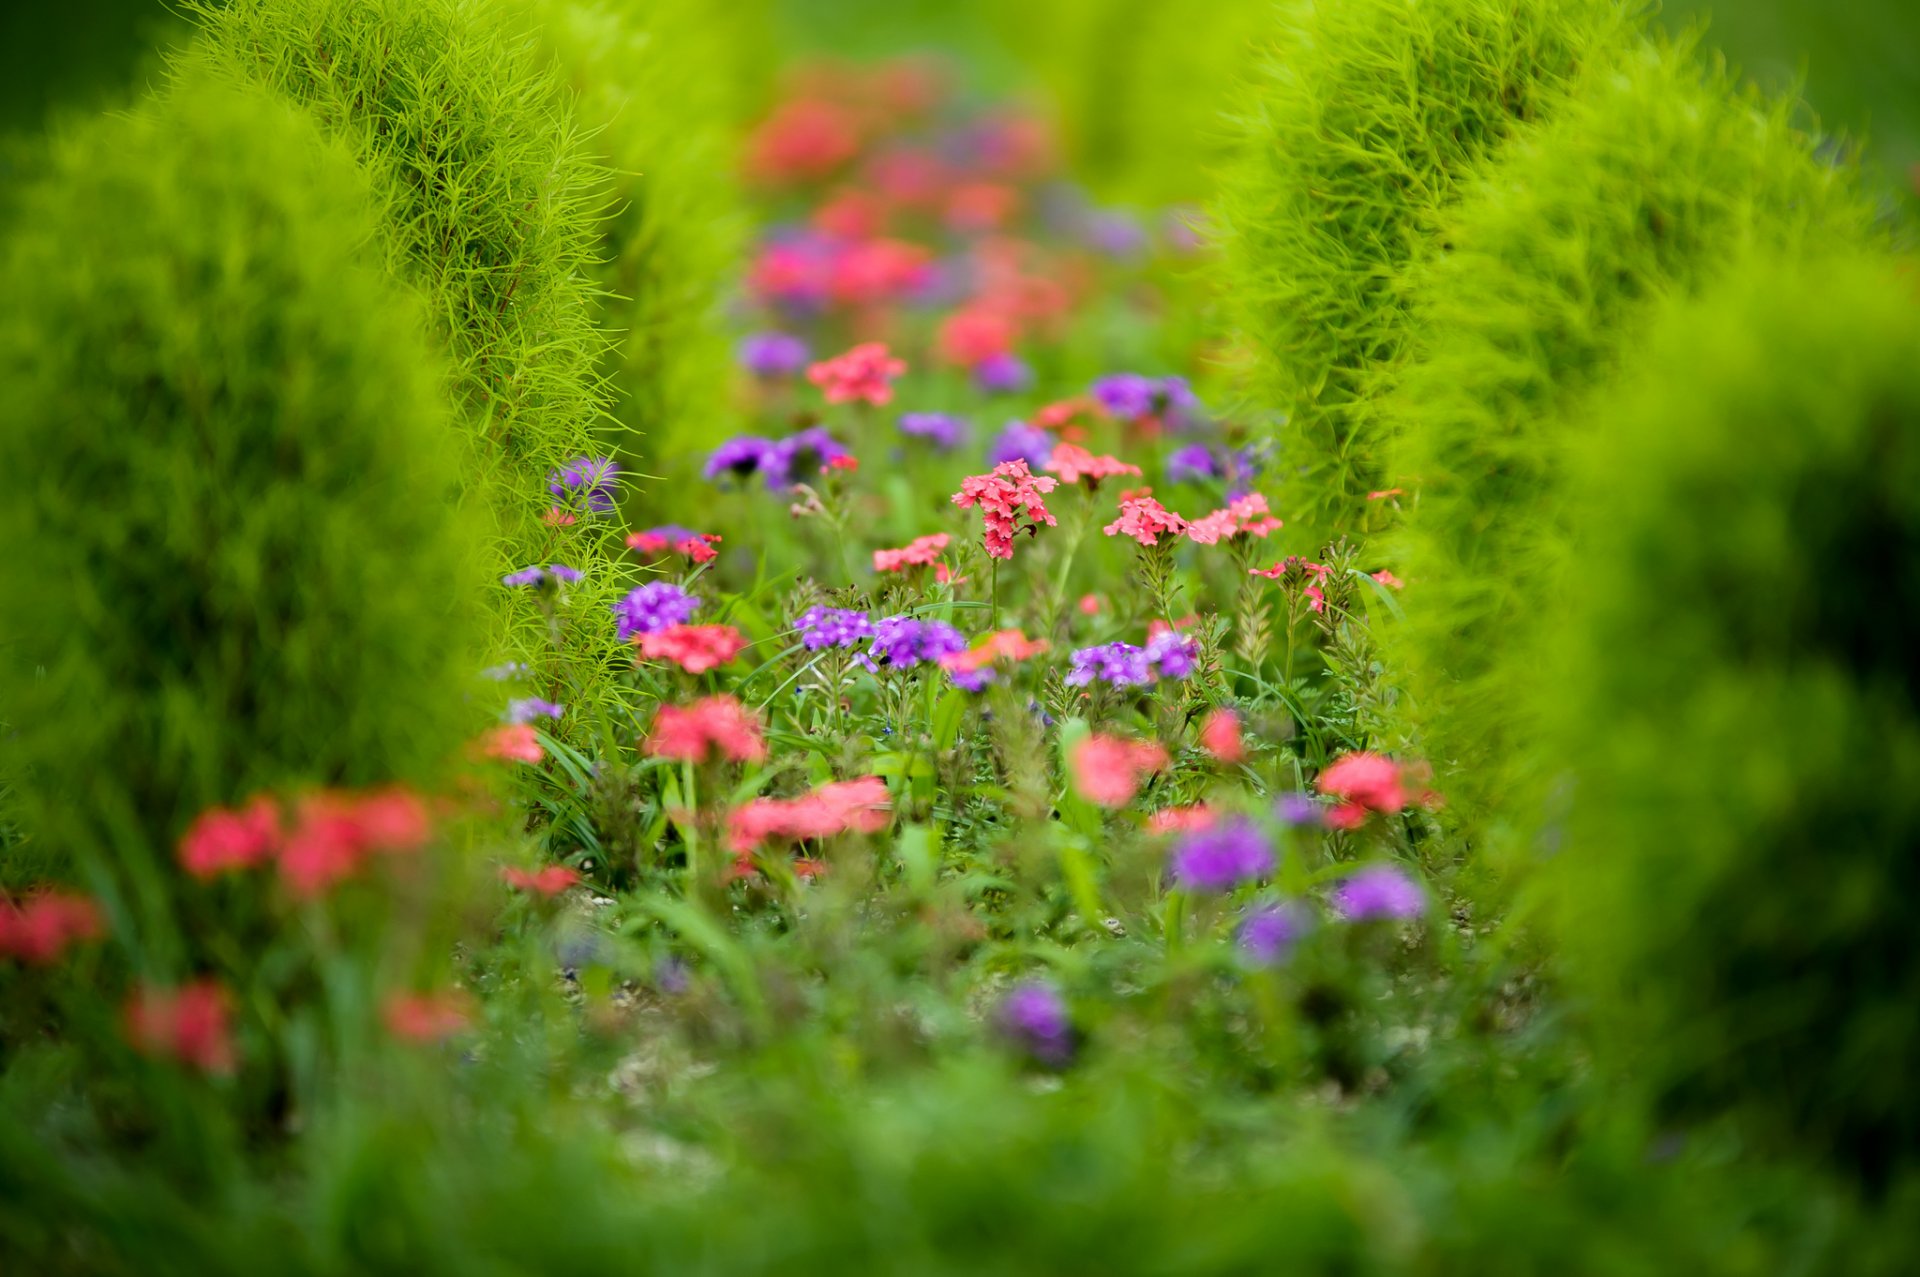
334	833
868	273
548	880
1193	463
1388	579
1225	855
801	456
1244	516
970	336
596	479
426	1018
1117	664
1172	655
1378	891
1220	736
524	709
803	140
741	457
1364	780
1145	519
654	606
694	648
1089	605
1003	495
1295	810
1127	396
1073	463
513	743
189	1024
50	922
1174	820
539	576
940	429
1115	234
1002	374
1269	933
920	552
672	538
220	840
501	673
1035	1018
906	641
972	669
713	725
1108	769
823	627
1060	414
864	373
773	354
1021	442
981	206
1384	493
557	517
846	806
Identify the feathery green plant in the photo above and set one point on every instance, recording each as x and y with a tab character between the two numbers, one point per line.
1644	185
235	563
1737	712
492	204
1357	132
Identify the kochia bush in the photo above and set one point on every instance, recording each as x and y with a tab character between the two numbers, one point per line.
1738	715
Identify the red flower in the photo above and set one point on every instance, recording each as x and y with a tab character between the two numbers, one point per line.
846	806
189	1024
334	833
1388	579
716	724
694	648
513	743
1055	416
1073	463
1002	496
1365	780
803	140
220	841
864	373
920	552
1145	519
1176	820
425	1018
698	547
548	880
39	931
1384	493
975	334
1108	769
1246	516
981	206
1089	605
1220	734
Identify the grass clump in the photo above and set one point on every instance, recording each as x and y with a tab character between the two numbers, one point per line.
1359	128
1739	717
1646	185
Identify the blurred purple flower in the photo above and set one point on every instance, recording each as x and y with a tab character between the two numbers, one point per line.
595	478
1115	234
1035	1017
1021	442
655	606
943	430
741	456
1221	857
1120	664
822	627
1126	395
1297	810
1002	374
1269	933
537	575
1378	891
905	641
799	457
524	709
1193	463
1172	654
773	354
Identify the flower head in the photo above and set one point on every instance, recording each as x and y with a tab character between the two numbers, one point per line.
1172	654
654	606
824	627
43	927
1021	442
1108	769
714	725
1225	855
919	552
1174	820
671	538
426	1018
1075	464
801	456
333	833
524	709
189	1025
773	354
741	457
1004	495
513	743
1378	891
906	641
838	807
975	334
972	669
1145	519
1002	374
596	480
1117	664
1244	516
1269	933
694	648
1220	736
548	880
222	841
538	576
1126	395
1034	1017
943	430
1297	810
865	373
1364	780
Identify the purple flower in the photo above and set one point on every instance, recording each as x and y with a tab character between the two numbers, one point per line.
773	354
501	673
655	606
1185	229
1121	664
1193	463
799	457
539	576
1269	933
1172	654
940	429
1126	395
525	709
972	680
905	641
1002	374
1378	891
833	627
1296	810
595	478
1221	857
671	977
1115	234
1021	442
1035	1017
740	457
1177	402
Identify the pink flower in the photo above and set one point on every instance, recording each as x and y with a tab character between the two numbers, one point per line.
1145	519
976	334
1245	516
1073	463
1003	495
694	546
864	373
333	833
548	880
425	1018
1363	782
1384	493
513	743
845	806
1388	579
189	1024
1001	645
39	931
1220	734
714	725
1089	605
1108	769
1176	820
919	552
220	841
694	648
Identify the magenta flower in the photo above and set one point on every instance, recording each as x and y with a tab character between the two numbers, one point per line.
1378	891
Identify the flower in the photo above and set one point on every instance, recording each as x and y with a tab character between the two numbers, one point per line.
1384	493
1193	463
1126	395
694	648
1244	516
864	373
189	1024
1365	780
654	606
906	641
1020	442
594	478
1003	495
844	806
696	546
1173	820
1296	810
773	354
740	457
513	743
220	841
1108	769
1145	519
1172	654
548	880
940	429
1269	933
713	725
1388	579
1073	463
501	673
1002	374
823	627
1034	1016
1115	234
1220	736
50	922
524	709
920	552
974	334
1378	891
802	455
1117	664
539	576
1221	857
333	833
972	669
1089	605
426	1018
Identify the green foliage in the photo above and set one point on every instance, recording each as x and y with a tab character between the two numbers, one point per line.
1647	184
1361	126
224	485
1737	711
492	204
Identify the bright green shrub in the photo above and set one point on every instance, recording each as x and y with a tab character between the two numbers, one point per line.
1645	185
234	559
1360	127
1738	714
492	205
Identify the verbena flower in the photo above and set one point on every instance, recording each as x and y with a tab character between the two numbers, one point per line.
524	709
1220	737
848	806
513	743
1034	1017
1298	810
906	641
190	1025
694	648
222	841
942	430
1174	820
801	456
39	930
1075	464
548	880
1362	782
972	669
1115	234
714	726
741	457
1378	891
1172	654
1004	496
1021	442
1145	519
672	538
1118	664
863	374
332	835
1108	770
1002	374
823	627
1225	855
501	673
654	606
1125	395
426	1018
974	334
773	354
920	552
1194	463
1269	933
593	479
1244	516
539	576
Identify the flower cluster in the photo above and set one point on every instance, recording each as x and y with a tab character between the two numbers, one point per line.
694	648
1109	769
1075	464
1244	516
1167	655
537	576
1004	496
674	539
1224	855
824	627
1144	519
864	374
905	641
652	607
920	552
972	669
943	430
838	807
39	930
593	480
713	726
